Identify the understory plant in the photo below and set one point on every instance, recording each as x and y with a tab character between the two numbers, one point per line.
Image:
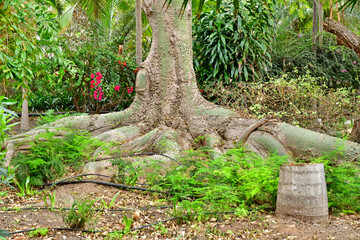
239	179
232	48
48	156
303	101
80	214
342	182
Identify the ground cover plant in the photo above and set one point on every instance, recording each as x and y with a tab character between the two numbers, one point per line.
47	160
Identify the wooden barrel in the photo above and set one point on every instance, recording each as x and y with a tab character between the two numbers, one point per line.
302	192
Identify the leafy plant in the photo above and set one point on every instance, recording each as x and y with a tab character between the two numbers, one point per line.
80	213
50	117
6	116
25	189
230	49
302	100
111	204
4	233
237	179
7	175
51	198
38	232
343	182
128	172
46	159
127	223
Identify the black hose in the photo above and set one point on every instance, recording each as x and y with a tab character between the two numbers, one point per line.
62	180
96	209
103	183
133	229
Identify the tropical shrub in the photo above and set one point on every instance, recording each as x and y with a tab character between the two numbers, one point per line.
239	179
301	100
47	159
337	65
230	49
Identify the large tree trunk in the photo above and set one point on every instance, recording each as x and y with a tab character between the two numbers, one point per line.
169	113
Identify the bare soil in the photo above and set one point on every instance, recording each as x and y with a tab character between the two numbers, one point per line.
257	226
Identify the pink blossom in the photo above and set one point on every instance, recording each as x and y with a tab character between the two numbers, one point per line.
99	89
354	62
92	76
117	88
92	82
95	94
130	90
98	73
124	63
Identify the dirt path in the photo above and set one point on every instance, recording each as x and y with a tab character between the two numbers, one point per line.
258	226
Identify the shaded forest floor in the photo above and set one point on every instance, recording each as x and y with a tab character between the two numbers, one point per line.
142	208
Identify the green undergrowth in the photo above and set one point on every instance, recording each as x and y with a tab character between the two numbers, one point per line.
48	156
342	182
239	181
50	117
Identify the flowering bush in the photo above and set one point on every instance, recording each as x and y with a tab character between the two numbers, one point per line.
97	80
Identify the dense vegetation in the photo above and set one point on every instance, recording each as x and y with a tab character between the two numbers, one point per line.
260	62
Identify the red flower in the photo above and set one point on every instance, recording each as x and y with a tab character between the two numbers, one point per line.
136	70
124	63
120	62
130	90
92	76
92	82
117	88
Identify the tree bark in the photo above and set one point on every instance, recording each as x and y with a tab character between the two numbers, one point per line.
355	132
321	22
138	32
344	36
315	24
25	120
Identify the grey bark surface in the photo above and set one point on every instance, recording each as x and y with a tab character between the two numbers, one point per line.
302	192
138	32
25	120
344	36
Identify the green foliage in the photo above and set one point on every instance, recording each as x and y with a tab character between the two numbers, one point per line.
236	180
343	183
339	66
50	117
6	116
128	173
38	232
4	233
127	223
7	175
299	100
80	213
52	198
28	30
45	160
231	49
